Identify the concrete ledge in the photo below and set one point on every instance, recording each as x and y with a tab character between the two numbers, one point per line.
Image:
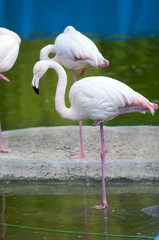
43	154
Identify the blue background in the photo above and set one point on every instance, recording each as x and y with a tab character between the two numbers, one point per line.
101	18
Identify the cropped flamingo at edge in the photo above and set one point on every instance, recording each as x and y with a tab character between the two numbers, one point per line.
98	98
9	49
74	51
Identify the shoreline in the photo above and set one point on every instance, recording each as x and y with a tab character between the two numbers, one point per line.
43	154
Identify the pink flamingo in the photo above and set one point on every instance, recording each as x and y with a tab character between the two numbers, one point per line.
74	51
98	98
9	49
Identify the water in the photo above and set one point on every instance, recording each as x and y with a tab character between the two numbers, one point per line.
132	60
68	208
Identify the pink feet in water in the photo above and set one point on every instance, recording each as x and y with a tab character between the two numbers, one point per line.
103	206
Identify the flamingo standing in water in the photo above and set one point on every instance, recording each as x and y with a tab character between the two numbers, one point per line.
74	51
9	49
98	98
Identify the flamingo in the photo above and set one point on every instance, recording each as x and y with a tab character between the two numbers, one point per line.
74	51
99	98
9	49
1	145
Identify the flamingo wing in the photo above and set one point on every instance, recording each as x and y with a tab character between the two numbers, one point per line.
103	98
9	49
92	100
75	46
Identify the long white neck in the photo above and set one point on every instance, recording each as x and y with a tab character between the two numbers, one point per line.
45	51
60	106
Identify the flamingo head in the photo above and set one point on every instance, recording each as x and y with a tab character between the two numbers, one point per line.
38	71
69	28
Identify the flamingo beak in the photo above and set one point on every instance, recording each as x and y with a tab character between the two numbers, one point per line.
35	83
36	90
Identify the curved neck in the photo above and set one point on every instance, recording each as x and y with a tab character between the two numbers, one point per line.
45	51
60	90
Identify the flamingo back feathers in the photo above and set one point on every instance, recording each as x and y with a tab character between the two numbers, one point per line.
105	98
72	46
142	101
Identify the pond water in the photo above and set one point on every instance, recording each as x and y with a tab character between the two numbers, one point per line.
133	61
58	211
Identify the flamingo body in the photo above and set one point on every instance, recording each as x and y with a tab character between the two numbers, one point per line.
98	98
74	50
104	98
9	49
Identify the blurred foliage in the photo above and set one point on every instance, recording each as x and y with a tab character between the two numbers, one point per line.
133	61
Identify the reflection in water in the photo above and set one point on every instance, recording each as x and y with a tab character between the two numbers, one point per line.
105	222
64	211
3	217
85	217
86	221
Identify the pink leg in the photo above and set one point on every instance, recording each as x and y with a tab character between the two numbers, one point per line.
105	64
73	75
4	78
84	70
1	145
155	107
96	123
81	155
103	152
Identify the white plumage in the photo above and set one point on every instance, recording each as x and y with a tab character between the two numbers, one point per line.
98	98
9	49
74	50
105	98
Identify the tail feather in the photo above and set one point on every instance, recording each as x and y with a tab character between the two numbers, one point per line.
142	101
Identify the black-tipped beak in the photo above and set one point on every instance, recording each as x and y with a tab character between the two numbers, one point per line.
36	90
